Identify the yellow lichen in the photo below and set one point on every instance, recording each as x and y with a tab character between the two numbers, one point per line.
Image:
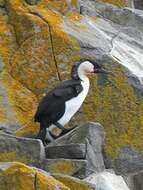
66	166
73	183
49	183
13	156
119	3
19	176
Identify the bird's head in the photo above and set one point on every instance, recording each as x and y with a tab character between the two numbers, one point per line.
85	68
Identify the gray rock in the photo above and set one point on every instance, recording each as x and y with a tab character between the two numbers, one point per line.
117	36
138	4
92	135
129	161
138	181
26	150
76	183
72	167
72	151
135	181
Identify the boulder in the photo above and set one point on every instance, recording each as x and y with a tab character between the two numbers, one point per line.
30	151
74	183
15	175
92	136
71	151
107	181
71	167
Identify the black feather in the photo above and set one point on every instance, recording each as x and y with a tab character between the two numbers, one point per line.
52	106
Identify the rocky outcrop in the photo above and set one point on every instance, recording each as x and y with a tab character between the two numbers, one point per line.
39	42
19	176
28	151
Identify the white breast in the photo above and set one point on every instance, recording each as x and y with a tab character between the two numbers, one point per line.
73	105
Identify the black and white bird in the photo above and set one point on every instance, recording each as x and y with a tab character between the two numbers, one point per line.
60	104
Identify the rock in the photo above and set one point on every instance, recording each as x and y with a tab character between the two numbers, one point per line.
129	161
137	181
33	35
92	135
26	150
134	181
2	3
15	175
138	4
107	181
74	183
72	151
39	44
70	167
32	2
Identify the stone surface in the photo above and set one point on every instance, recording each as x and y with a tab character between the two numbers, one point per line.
137	180
72	151
39	44
107	181
18	176
92	135
26	150
2	3
129	161
138	4
70	167
74	183
32	2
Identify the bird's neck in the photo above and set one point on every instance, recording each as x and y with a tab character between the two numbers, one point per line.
82	76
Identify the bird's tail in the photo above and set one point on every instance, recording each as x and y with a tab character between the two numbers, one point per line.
42	132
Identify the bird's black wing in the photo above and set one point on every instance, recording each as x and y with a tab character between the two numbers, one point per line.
52	106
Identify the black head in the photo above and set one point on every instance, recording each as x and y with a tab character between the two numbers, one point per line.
93	67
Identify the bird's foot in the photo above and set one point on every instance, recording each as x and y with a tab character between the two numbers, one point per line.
51	137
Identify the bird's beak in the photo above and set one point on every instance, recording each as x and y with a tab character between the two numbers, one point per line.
102	71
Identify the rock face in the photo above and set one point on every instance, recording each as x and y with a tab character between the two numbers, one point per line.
19	176
39	42
29	151
138	4
92	136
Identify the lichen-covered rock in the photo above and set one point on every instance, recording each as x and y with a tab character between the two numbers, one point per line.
92	136
17	176
72	167
39	44
29	151
31	48
74	183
